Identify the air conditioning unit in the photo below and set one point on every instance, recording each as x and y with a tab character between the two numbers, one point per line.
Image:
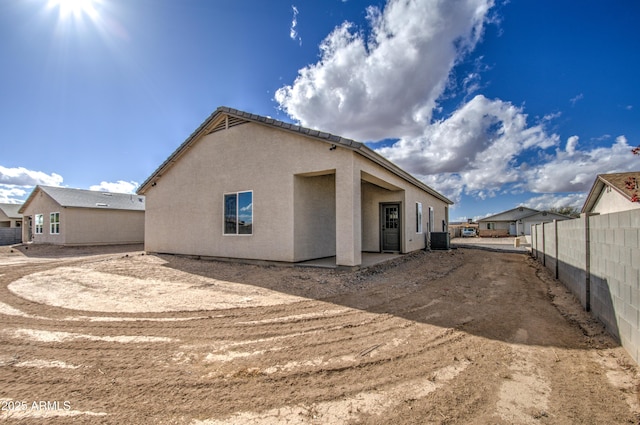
440	240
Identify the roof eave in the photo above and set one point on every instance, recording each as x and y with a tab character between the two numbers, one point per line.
325	137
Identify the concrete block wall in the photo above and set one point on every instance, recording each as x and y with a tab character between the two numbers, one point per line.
10	235
615	269
598	259
572	257
550	247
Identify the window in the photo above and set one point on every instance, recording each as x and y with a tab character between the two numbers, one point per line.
238	213
418	217
491	226
39	223
54	223
431	219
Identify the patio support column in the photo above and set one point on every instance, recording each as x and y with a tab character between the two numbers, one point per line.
348	215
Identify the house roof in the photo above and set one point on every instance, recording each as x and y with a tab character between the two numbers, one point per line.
521	213
215	122
11	210
614	180
511	215
80	198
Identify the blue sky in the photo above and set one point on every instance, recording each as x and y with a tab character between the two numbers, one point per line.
494	103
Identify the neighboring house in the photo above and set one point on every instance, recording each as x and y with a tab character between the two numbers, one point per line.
9	215
610	193
64	216
251	187
515	222
10	224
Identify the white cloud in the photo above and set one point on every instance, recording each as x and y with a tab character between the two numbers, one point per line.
549	200
387	84
479	143
293	32
572	142
120	186
16	183
577	171
21	176
12	195
574	100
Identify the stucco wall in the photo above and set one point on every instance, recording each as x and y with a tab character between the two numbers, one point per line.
315	217
84	226
88	226
291	177
43	204
611	201
184	211
372	196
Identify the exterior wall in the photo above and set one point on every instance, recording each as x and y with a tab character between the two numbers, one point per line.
314	217
611	201
572	256
292	178
10	235
44	204
550	247
599	260
372	197
6	221
525	227
501	229
250	157
88	226
397	190
83	226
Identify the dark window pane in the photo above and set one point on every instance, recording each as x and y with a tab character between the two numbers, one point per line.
230	214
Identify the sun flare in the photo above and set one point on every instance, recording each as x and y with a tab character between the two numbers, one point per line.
75	8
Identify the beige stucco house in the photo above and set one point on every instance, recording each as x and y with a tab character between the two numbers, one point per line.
515	222
610	193
251	187
10	224
9	215
64	216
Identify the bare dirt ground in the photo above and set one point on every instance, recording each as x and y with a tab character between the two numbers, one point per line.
104	335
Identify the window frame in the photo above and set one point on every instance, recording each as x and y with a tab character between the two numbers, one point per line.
431	220
55	223
225	215
38	224
419	229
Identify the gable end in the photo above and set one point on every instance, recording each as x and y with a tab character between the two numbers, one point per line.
226	123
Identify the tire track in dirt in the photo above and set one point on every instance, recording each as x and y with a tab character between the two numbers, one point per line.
431	338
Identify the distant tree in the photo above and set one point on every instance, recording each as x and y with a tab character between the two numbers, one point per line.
568	211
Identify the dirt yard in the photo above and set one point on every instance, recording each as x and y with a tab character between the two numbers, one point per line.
465	336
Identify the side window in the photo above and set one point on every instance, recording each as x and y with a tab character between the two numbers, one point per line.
238	213
39	223
54	223
418	217
431	218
